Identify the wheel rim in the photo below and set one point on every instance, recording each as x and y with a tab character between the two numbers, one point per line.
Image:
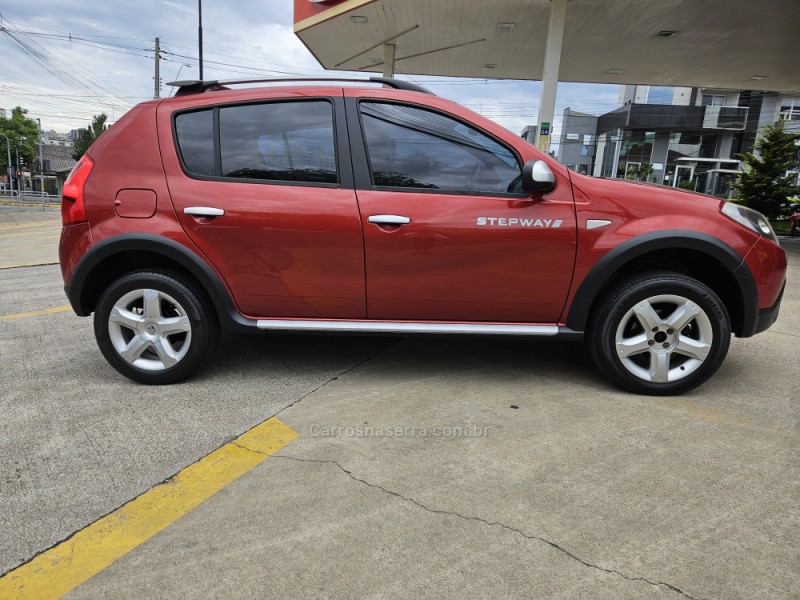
664	338
149	330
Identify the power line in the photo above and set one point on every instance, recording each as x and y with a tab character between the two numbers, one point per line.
2	16
73	76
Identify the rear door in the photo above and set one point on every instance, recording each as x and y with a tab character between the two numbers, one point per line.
264	189
448	233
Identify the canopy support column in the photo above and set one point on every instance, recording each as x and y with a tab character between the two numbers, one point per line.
552	62
388	59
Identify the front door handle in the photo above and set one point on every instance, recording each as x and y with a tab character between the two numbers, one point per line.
203	211
389	220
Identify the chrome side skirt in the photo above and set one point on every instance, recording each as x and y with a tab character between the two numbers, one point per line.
408	327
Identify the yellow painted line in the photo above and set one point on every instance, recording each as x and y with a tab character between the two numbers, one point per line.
61	569
35	313
41	264
17	234
44	223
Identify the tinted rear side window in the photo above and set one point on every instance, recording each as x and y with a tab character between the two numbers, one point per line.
195	132
279	141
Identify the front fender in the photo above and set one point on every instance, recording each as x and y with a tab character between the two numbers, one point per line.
594	282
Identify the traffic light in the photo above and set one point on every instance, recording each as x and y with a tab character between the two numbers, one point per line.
21	161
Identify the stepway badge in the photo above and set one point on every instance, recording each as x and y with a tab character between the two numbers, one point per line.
514	222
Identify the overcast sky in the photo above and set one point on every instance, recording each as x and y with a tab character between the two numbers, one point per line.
67	61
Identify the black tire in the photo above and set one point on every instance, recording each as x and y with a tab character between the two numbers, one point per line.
168	344
655	359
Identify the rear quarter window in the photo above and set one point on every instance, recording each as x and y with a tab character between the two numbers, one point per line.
195	133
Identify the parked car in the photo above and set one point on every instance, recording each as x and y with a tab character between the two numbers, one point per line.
327	207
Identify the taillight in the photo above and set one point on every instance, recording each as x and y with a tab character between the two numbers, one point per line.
72	207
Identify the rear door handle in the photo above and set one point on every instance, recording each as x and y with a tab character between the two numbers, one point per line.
203	211
389	220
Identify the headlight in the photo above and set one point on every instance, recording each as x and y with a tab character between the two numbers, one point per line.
752	219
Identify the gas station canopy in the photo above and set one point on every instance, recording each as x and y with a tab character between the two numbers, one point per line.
735	44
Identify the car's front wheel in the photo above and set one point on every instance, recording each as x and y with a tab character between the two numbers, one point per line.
660	333
154	328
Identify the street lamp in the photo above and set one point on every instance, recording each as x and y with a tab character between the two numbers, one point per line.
177	77
8	169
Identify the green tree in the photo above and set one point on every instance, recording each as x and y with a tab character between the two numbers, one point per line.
23	135
644	172
764	185
87	136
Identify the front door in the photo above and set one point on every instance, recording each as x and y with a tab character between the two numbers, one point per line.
448	233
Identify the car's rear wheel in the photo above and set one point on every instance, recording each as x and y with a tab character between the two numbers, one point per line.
154	328
660	333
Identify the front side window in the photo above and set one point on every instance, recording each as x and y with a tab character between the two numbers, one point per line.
411	147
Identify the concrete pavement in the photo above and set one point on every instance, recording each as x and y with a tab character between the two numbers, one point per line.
581	491
424	467
28	237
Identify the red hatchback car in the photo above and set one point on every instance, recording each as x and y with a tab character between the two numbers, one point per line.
333	208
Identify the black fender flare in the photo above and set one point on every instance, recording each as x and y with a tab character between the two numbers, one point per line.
594	281
230	318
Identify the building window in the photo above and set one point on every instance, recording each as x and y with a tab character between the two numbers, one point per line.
636	148
711	100
708	146
790	109
660	95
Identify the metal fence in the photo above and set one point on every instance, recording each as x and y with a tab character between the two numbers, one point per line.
29	199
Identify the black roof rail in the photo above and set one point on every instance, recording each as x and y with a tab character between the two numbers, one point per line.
194	86
399	84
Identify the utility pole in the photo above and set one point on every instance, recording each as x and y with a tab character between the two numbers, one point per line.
200	36
8	169
41	162
18	167
157	81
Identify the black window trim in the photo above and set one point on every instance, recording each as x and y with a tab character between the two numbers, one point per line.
413	190
343	161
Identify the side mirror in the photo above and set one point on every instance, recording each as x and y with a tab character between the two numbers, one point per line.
537	177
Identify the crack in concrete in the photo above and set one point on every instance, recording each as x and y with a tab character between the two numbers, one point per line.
170	478
783	333
491	524
238	445
341	374
233	439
